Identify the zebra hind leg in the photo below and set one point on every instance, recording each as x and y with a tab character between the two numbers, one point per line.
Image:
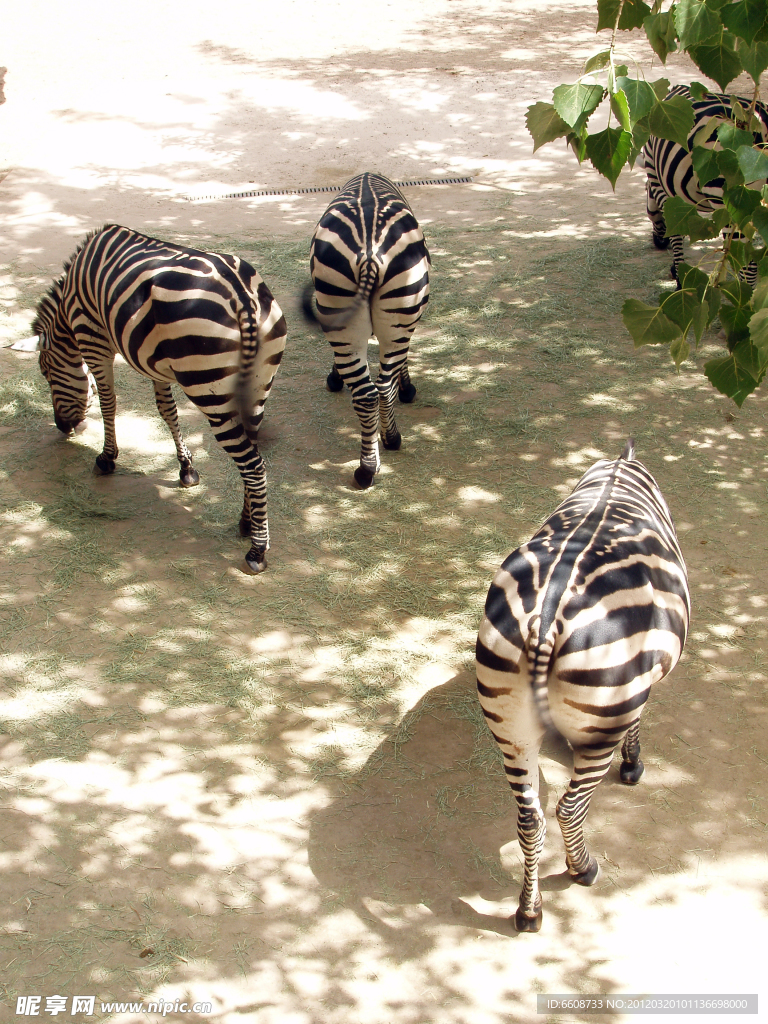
390	435
406	390
531	830
334	380
589	766
166	406
632	767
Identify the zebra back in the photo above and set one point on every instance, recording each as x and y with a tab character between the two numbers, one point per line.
576	604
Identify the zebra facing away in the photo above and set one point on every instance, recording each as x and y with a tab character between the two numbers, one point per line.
579	623
370	269
203	320
670	168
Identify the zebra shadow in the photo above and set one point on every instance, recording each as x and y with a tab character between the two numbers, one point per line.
420	824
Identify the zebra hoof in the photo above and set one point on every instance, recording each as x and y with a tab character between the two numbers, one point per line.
523	923
188	476
245	527
392	443
590	876
363	478
631	773
334	381
407	394
660	242
253	566
104	465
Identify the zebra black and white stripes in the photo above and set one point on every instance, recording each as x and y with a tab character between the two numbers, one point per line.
579	623
669	166
370	268
203	320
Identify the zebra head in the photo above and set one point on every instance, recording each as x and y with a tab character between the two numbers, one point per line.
61	363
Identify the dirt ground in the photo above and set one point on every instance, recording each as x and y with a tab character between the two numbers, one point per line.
277	794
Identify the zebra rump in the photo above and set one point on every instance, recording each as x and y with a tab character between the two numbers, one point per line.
669	167
579	623
370	272
205	321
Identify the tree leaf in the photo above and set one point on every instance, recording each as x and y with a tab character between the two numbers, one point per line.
699	91
760	220
718	60
735	321
758	333
754	59
598	62
744	19
695	22
660	29
733	138
609	151
705	164
691	278
647	324
640	135
727	376
620	108
633	14
607	12
574	103
737	291
741	202
679	350
681	217
760	295
640	96
660	87
753	163
672	119
728	165
700	320
545	124
747	357
680	307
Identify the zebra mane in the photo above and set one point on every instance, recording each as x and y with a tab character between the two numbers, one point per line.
51	298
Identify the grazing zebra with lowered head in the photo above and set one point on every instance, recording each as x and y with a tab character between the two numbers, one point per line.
579	623
370	268
670	169
203	320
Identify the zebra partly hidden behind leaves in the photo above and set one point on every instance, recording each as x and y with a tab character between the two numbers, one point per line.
203	320
579	623
370	269
671	172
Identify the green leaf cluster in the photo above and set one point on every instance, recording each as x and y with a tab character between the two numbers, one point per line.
608	115
689	310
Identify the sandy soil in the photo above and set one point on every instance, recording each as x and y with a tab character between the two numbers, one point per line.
276	794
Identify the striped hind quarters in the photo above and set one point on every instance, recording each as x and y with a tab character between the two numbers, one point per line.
370	270
579	623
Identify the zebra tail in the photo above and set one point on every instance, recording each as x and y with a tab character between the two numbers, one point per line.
250	340
540	650
367	281
629	450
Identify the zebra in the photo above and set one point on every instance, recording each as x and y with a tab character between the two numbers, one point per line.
670	172
370	271
205	321
579	623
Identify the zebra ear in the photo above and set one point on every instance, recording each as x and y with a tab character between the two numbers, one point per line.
629	450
